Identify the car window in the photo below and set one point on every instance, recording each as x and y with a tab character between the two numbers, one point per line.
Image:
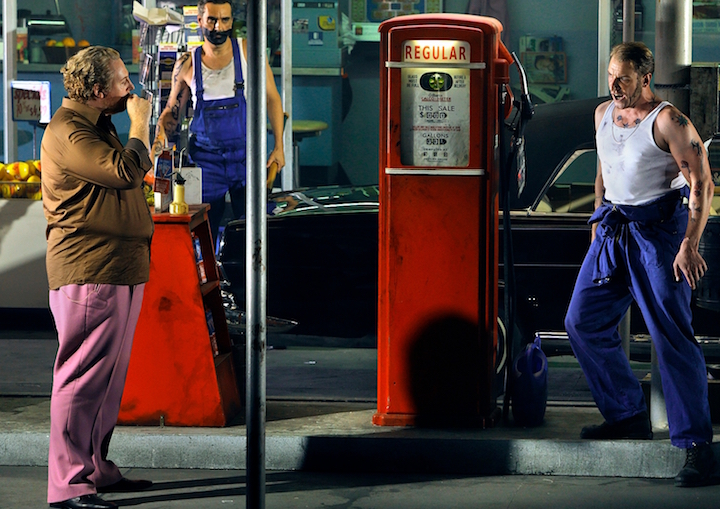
573	189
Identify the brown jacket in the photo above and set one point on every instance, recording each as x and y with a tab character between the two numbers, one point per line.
99	224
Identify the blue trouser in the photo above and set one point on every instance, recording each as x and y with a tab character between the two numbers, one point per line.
632	258
222	171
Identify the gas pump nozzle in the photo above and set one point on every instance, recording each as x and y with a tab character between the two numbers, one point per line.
526	108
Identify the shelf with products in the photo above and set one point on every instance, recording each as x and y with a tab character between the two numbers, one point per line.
181	371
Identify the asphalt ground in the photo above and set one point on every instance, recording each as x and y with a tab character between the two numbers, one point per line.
24	487
298	367
323	451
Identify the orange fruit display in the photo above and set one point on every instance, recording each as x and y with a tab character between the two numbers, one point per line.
19	170
69	42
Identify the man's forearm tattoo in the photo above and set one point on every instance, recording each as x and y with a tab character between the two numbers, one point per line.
175	110
157	146
695	203
178	67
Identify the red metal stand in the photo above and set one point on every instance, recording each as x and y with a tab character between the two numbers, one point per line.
177	377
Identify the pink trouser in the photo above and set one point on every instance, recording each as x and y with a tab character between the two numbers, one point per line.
95	325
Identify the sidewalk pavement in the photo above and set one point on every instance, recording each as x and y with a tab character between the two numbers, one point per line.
306	432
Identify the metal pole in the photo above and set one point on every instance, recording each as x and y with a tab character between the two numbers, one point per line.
658	410
256	252
628	36
9	16
673	51
604	31
289	179
624	329
628	20
673	56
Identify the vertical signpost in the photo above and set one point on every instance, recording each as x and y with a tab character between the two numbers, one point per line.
256	254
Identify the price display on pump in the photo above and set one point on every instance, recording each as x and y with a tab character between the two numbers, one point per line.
435	103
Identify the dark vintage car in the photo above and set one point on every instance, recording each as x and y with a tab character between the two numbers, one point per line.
323	242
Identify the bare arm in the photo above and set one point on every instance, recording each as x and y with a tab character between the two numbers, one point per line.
599	193
277	119
599	184
675	132
170	118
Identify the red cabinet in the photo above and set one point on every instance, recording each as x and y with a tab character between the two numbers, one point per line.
181	374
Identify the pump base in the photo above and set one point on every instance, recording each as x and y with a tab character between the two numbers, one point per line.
438	421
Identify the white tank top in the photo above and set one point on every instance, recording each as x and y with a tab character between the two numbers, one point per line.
634	169
220	83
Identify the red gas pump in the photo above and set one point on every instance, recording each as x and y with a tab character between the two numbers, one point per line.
441	81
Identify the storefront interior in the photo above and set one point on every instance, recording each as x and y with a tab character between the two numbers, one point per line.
335	80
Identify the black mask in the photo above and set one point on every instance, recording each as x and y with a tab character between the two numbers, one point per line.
215	37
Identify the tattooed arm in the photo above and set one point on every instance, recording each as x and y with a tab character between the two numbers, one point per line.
675	133
171	116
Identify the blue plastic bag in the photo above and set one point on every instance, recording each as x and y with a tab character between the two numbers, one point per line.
529	385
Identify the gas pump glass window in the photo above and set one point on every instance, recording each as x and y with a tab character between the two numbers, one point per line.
435	103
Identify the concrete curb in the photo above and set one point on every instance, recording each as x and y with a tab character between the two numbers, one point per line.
133	449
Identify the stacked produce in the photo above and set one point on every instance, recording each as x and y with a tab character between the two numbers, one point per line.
58	52
20	179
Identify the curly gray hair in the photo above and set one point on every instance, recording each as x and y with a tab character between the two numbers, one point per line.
89	67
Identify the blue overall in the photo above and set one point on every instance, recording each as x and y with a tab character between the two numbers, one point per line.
217	144
632	258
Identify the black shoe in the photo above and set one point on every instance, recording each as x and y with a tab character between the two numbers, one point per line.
125	485
85	502
636	427
700	467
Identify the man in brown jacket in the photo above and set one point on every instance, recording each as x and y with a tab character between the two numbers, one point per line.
98	261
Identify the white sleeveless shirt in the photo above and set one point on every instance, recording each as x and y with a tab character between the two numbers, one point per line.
220	83
634	169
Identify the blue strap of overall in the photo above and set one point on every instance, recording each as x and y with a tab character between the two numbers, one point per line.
239	83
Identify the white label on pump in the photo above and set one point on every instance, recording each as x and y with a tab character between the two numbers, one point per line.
435	117
435	104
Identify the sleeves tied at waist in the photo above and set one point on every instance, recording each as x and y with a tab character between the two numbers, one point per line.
652	229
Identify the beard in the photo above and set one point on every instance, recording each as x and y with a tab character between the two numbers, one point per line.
628	101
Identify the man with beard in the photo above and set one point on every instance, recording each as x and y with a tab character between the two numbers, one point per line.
98	260
213	73
646	230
